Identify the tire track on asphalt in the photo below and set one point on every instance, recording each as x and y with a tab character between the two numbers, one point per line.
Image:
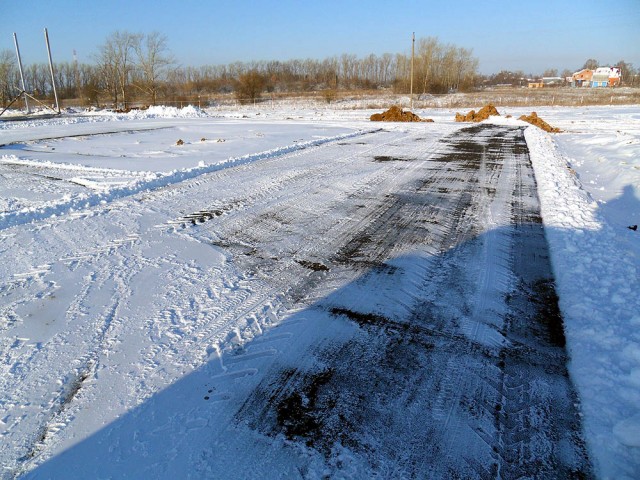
249	232
464	387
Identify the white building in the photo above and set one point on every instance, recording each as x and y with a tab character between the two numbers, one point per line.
606	77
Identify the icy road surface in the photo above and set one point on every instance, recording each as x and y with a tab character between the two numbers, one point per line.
380	304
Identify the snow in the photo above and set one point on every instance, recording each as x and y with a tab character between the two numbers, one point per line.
108	302
596	259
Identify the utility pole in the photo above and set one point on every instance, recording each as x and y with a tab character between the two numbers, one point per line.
413	43
76	74
53	78
24	89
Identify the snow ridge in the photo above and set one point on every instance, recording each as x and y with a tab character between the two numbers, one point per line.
71	116
595	277
158	180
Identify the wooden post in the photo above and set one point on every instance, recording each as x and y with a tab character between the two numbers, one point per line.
413	43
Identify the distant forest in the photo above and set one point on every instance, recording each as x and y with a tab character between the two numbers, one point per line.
137	68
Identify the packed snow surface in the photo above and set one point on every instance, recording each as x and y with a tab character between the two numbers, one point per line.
112	306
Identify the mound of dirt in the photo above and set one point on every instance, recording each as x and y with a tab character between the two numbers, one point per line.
482	114
534	119
396	114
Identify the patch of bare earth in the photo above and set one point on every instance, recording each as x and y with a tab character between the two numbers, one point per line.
396	114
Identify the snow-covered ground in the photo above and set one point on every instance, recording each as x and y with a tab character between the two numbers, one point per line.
118	282
587	210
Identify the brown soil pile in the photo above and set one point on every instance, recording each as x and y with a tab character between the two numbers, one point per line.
482	114
534	119
396	114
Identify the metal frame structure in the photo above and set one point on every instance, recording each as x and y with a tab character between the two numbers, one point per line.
23	90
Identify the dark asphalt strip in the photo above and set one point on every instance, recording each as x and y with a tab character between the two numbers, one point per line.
472	381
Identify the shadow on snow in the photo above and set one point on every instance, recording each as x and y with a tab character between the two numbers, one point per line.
425	366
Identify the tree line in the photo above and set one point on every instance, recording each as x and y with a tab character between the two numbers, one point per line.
132	67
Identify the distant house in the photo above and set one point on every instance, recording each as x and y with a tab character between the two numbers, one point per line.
546	82
552	81
582	78
615	76
606	77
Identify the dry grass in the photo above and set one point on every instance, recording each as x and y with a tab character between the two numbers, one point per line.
515	97
511	97
384	99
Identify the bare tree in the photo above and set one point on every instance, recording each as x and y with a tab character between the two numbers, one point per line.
115	61
91	83
66	79
154	61
7	73
37	79
591	64
627	71
402	73
440	68
348	69
108	70
427	62
466	69
249	86
128	63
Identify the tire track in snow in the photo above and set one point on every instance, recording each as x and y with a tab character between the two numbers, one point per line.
64	357
10	219
369	216
247	306
256	217
461	386
241	308
113	259
263	304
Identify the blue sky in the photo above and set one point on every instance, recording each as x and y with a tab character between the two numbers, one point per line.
517	35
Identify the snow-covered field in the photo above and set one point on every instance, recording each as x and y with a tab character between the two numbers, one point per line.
106	300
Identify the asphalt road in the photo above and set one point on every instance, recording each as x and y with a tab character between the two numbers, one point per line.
456	365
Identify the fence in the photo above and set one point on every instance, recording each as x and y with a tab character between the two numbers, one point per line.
514	97
375	100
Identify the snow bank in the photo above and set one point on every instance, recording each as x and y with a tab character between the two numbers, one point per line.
97	115
597	268
168	112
